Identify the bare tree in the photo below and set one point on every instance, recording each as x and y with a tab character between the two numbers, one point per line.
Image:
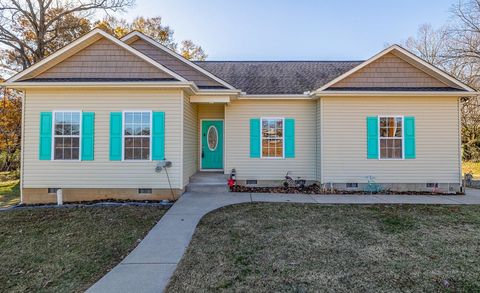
464	33
32	29
430	44
456	49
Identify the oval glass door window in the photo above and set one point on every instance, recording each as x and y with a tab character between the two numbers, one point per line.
212	138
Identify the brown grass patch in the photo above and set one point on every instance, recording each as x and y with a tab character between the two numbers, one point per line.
268	247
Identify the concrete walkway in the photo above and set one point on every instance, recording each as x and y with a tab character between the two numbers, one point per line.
150	265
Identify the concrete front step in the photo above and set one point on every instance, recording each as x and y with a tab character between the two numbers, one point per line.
208	177
207	187
208	182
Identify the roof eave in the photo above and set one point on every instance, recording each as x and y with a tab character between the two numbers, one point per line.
245	96
190	87
332	93
153	84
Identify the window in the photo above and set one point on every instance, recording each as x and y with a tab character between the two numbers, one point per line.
212	138
137	135
66	135
272	137
391	137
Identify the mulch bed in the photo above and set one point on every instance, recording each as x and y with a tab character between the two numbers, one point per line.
316	189
100	203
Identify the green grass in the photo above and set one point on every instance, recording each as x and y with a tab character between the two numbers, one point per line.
9	190
273	247
68	249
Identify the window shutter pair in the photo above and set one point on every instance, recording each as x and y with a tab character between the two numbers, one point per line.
256	140
373	136
87	136
158	136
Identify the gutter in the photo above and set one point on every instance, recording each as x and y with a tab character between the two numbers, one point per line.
188	86
245	96
151	84
394	93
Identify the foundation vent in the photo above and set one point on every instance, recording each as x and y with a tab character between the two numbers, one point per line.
432	185
352	185
251	182
144	191
52	190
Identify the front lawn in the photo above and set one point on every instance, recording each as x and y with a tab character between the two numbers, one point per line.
67	249
268	247
9	189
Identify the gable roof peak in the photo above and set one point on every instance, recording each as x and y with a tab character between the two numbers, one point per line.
127	39
81	43
409	57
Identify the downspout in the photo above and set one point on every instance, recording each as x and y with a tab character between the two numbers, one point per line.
22	143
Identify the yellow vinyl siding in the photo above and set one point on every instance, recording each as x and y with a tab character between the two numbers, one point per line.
104	59
389	71
211	111
237	133
190	139
101	173
344	140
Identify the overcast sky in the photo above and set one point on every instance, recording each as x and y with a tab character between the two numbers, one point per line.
294	29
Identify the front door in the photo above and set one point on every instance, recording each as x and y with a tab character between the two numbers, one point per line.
212	144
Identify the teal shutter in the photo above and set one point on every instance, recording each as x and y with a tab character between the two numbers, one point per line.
88	133
255	138
372	137
45	148
115	136
409	140
289	138
158	136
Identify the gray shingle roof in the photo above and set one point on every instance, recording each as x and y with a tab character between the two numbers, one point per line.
277	77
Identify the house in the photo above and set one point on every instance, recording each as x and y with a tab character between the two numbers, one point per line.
100	113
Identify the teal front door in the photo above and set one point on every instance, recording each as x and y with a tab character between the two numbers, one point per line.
212	144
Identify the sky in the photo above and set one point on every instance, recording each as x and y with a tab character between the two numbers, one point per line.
294	29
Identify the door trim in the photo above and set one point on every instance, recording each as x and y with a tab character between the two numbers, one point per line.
201	145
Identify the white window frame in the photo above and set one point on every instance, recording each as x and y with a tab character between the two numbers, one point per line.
380	138
54	136
283	138
123	134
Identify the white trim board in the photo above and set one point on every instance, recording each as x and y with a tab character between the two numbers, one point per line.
83	42
149	40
